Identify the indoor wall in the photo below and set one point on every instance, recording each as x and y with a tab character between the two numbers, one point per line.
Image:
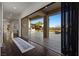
24	27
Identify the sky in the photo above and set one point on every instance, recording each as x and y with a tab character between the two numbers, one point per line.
54	20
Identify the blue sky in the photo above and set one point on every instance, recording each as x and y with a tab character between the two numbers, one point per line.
54	20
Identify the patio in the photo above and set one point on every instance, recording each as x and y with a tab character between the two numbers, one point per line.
53	43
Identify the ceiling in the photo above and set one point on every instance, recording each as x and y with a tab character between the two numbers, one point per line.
51	9
14	10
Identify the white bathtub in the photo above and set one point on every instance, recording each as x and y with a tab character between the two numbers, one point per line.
22	45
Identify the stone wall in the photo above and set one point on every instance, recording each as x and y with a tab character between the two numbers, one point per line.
24	28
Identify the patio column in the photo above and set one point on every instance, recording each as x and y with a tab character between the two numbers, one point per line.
46	26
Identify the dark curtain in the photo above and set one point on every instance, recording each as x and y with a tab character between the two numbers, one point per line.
69	25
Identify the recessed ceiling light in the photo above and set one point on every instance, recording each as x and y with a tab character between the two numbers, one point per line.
14	7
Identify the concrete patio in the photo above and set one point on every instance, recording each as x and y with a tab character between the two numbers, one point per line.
53	43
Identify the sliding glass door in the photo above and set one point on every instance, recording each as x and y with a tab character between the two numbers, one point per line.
37	30
55	31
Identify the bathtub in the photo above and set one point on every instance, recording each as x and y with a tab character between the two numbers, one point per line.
23	45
